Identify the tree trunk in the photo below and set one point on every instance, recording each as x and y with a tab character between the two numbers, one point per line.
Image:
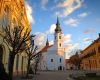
10	65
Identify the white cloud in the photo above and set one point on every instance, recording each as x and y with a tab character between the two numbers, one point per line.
44	3
83	14
51	42
39	38
87	40
67	38
70	48
29	12
89	30
69	6
71	22
52	28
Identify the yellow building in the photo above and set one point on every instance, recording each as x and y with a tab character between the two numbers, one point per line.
13	12
91	56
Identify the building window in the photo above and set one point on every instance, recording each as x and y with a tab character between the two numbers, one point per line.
55	37
59	37
51	60
6	13
60	60
6	10
99	49
17	62
60	44
22	64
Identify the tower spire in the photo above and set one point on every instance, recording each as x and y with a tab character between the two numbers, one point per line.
47	42
58	28
57	21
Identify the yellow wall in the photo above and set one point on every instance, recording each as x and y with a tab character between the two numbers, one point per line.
92	61
11	11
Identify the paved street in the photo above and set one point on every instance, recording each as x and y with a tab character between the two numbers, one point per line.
56	75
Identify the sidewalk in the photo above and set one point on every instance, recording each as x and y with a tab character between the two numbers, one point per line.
23	77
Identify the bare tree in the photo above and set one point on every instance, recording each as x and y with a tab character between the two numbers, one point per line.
30	50
16	39
32	55
75	59
37	60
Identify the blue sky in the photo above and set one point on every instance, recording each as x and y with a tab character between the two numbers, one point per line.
79	20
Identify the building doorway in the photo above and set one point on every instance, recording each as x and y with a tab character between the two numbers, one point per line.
60	68
1	53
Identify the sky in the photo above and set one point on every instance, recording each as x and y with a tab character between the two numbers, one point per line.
79	20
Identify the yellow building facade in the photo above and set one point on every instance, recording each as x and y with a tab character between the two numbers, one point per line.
12	12
91	56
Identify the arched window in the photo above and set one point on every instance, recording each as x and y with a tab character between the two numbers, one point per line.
6	9
60	60
59	37
6	14
60	44
51	60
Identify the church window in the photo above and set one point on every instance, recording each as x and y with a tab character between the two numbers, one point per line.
99	49
59	37
60	44
55	37
60	60
51	60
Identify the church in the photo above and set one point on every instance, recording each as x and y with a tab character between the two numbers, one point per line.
53	56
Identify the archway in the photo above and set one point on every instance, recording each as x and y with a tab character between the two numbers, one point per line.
1	53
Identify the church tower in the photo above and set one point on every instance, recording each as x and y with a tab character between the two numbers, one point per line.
58	39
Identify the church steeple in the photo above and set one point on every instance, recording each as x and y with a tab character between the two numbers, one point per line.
47	42
58	28
58	42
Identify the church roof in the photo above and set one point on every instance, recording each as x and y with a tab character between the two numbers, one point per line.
45	48
58	28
